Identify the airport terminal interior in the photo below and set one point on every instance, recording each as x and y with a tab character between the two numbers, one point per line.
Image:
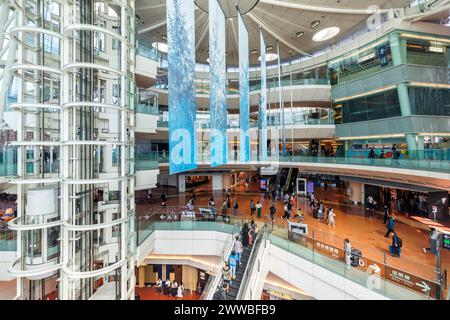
224	150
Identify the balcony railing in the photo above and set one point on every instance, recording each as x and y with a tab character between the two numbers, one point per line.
306	156
375	270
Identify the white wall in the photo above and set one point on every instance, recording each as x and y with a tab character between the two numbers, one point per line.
209	243
167	179
146	67
146	179
146	123
6	260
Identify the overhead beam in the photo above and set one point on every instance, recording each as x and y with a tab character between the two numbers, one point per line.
152	27
234	32
202	35
306	7
149	7
284	20
275	35
162	23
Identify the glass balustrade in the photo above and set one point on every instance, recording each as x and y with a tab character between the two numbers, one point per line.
305	156
147	109
8	241
374	269
147	51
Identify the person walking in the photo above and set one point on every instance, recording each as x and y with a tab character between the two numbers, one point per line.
235	208
259	209
331	217
396	245
238	248
252	208
272	212
390	226
294	201
311	201
348	253
386	214
224	208
370	202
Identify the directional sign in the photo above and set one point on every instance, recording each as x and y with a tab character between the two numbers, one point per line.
425	287
412	282
375	268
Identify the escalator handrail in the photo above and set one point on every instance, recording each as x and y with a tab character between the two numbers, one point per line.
246	277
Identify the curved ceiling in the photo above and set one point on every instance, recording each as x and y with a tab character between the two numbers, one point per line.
280	20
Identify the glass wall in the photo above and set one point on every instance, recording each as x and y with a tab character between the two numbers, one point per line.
379	106
361	62
427	51
429	101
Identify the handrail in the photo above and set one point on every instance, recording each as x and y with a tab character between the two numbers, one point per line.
246	277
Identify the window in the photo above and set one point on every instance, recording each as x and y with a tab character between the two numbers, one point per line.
374	107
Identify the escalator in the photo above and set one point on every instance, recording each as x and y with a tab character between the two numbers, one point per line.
236	283
293	180
287	184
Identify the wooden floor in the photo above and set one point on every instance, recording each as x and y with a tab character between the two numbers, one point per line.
151	294
364	228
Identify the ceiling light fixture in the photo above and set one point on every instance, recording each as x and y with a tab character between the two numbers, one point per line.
269	48
269	57
326	34
315	24
161	47
164	37
254	51
299	34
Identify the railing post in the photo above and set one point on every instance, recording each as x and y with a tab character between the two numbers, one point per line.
385	276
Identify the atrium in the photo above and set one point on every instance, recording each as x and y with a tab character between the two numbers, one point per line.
224	150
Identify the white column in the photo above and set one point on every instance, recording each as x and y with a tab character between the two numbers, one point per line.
181	183
226	181
217	182
355	192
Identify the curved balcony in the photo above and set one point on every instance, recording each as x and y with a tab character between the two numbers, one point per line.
93	273
35	222
26	267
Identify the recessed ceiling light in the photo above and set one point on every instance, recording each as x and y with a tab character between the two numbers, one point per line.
161	47
270	57
315	24
254	51
269	48
299	34
326	34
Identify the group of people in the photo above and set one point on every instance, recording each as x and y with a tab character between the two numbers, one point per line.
169	288
397	243
394	151
248	234
318	209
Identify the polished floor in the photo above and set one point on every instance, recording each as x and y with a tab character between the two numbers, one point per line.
151	294
364	228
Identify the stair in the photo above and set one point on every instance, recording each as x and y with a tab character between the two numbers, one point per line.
236	283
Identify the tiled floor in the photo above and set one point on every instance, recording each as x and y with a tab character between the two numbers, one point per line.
365	229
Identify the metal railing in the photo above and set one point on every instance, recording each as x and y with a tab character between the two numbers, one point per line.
251	262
